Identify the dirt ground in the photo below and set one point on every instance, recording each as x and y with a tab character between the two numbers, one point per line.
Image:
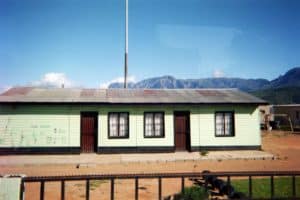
284	145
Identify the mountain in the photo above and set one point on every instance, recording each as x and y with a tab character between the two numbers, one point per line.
282	95
290	78
120	85
284	89
171	82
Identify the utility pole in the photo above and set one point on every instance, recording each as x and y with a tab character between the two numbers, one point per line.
126	44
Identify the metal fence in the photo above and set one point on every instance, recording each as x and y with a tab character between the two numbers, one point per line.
159	176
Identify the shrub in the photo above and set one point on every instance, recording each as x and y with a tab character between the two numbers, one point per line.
194	193
203	153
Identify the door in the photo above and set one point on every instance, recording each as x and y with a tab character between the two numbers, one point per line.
182	131
89	127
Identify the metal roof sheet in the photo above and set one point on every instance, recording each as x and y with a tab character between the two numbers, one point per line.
75	95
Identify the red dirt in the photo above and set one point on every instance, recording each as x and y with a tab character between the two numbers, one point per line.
284	145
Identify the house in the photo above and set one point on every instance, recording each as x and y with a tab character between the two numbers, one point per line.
284	116
292	110
265	116
62	120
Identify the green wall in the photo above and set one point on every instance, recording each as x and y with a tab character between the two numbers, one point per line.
59	125
247	132
136	127
38	126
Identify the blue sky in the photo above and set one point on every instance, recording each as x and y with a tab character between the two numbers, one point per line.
81	42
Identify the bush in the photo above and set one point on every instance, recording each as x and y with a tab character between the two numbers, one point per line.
194	193
203	153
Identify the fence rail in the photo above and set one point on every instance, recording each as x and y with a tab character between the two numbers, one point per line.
159	176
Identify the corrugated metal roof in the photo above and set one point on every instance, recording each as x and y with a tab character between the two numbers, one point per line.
286	105
132	96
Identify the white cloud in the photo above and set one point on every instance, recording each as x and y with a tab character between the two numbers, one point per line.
4	88
53	79
117	80
218	73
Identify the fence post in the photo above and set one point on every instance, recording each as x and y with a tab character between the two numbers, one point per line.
136	188
159	188
112	188
294	186
22	190
62	190
228	184
182	185
272	187
250	187
87	189
42	187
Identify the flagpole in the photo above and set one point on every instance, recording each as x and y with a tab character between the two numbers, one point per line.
126	44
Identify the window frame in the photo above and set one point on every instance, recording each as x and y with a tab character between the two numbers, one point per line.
126	136
233	123
163	124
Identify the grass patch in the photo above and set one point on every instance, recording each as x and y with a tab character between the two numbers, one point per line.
93	184
203	153
261	187
96	183
194	193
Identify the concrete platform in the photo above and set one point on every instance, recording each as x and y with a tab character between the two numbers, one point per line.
98	159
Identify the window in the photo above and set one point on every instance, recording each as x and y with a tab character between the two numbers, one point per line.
154	124
297	115
224	124
118	125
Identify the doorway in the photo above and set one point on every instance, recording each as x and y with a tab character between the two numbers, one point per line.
182	130
89	130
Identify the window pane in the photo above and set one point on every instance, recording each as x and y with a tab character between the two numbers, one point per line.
113	124
149	124
158	124
123	124
228	124
219	124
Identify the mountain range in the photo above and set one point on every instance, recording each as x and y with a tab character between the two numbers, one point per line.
282	90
